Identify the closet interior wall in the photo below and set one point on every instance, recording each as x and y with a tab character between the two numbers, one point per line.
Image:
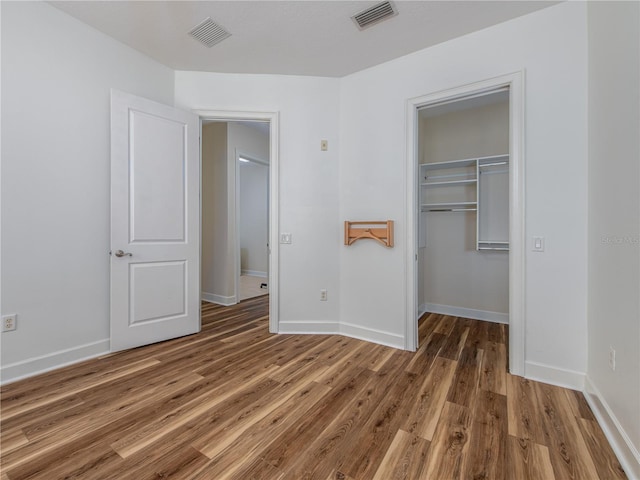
453	273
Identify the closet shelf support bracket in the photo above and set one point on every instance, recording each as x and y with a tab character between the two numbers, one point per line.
380	231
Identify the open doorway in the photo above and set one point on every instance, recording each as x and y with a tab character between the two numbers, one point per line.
463	251
237	217
169	179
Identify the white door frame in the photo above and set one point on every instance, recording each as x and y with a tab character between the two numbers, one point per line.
515	82
274	196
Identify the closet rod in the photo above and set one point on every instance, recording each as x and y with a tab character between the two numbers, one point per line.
449	175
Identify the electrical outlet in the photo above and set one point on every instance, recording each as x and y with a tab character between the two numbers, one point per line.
323	295
9	322
612	359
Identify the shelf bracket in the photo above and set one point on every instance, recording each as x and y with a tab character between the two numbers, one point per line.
383	235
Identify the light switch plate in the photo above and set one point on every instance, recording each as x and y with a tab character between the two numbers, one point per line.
285	238
538	244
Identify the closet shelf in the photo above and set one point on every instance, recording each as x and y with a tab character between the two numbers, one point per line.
467	177
493	245
467	162
493	159
468	181
493	164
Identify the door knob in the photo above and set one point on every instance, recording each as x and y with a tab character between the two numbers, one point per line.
120	253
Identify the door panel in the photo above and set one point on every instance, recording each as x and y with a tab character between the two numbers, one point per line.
157	291
155	188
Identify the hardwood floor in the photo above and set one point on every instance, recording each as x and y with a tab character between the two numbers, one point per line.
236	402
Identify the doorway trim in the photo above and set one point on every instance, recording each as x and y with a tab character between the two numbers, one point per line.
274	198
515	83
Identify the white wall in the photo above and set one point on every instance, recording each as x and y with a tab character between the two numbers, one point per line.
614	223
308	110
550	46
216	266
452	272
254	218
56	78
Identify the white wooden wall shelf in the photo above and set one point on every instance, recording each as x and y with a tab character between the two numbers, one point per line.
380	231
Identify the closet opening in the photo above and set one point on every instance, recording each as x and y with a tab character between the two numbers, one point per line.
466	226
463	246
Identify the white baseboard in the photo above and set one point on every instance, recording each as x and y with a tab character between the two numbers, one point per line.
485	315
372	335
554	376
627	453
213	298
254	273
344	329
52	361
315	327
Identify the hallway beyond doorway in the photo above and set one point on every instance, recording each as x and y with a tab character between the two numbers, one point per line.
251	286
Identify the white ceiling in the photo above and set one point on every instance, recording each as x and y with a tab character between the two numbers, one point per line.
288	37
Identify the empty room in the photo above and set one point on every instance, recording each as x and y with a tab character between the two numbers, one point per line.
320	240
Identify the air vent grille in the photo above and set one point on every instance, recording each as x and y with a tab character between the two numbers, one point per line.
374	14
209	33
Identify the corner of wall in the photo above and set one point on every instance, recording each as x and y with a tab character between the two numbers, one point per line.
627	454
554	376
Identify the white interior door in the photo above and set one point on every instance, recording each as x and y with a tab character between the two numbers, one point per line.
155	232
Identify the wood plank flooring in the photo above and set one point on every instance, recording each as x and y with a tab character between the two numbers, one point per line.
235	402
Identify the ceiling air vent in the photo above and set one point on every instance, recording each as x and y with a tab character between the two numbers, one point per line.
209	33
375	14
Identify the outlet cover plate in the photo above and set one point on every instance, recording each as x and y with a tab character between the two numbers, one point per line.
9	322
